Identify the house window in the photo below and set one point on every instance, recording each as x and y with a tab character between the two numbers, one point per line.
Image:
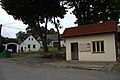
29	38
28	45
32	39
25	48
98	46
34	46
22	49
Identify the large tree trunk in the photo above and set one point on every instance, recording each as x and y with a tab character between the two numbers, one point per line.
42	34
45	37
59	45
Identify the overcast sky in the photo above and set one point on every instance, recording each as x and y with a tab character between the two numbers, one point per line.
11	27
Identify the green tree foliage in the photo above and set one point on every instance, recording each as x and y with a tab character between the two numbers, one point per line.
34	13
58	27
21	35
52	31
93	11
31	31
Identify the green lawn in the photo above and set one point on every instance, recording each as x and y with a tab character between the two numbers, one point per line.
51	51
54	51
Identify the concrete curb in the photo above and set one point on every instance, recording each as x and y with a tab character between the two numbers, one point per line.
66	65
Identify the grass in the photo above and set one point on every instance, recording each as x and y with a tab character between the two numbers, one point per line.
53	51
57	54
22	54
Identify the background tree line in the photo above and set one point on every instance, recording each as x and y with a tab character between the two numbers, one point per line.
29	31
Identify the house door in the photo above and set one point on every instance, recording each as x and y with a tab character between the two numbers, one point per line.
22	49
74	51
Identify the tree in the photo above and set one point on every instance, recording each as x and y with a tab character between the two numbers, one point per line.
21	35
34	13
31	31
57	26
93	11
51	31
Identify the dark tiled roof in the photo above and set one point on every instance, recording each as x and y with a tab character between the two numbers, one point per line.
10	40
89	29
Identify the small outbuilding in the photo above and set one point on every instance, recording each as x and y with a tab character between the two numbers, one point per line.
92	42
11	44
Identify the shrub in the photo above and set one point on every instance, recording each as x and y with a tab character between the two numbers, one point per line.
2	48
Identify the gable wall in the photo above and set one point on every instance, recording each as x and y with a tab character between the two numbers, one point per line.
109	47
30	42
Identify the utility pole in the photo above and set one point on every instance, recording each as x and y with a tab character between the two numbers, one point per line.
0	36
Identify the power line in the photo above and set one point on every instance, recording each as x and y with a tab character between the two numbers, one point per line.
7	32
13	27
11	23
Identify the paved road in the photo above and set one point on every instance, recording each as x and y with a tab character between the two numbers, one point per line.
10	70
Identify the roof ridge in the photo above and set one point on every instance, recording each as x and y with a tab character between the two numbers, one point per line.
93	24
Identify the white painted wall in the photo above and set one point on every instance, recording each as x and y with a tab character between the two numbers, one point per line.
109	47
30	41
62	42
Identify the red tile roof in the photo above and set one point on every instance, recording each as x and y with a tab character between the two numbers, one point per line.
90	29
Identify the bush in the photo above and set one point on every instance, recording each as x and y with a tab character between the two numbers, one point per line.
2	48
0	55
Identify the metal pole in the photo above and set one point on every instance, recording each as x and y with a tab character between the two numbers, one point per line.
0	35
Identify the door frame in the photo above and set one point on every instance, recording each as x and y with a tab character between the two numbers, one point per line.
74	51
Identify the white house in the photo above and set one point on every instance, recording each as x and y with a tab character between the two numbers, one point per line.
92	42
29	44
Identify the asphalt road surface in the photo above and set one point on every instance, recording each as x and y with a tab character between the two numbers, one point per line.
11	70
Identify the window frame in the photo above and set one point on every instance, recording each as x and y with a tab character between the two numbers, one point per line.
99	48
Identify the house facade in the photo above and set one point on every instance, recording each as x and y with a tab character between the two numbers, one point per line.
92	42
29	44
